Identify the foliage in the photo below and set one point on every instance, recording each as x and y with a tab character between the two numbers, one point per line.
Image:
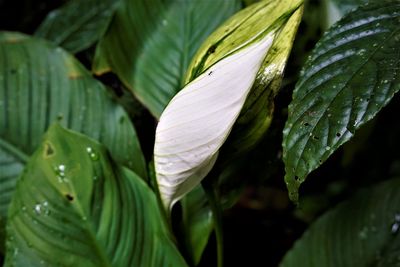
194	115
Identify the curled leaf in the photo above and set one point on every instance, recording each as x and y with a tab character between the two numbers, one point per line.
200	117
198	120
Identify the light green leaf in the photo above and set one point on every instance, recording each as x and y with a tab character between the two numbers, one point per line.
257	112
363	231
149	44
39	84
199	118
71	208
350	76
198	224
241	30
78	24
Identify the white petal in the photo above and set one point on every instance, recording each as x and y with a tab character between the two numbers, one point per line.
199	118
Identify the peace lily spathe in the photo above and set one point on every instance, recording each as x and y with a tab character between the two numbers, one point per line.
199	118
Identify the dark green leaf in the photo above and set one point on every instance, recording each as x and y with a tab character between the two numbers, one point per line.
39	84
149	44
352	73
363	231
78	24
73	208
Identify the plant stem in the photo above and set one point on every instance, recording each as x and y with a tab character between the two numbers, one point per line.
212	195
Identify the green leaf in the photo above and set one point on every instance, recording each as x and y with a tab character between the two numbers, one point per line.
71	208
257	112
363	231
39	84
198	224
241	30
350	76
78	24
149	44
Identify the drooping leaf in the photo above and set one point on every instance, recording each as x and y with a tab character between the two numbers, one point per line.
78	24
74	208
363	231
150	43
197	219
199	118
352	73
39	84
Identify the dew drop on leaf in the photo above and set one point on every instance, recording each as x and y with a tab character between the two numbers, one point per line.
92	154
37	209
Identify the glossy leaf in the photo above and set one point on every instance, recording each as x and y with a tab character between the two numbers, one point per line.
74	206
198	224
150	43
78	24
199	118
363	231
352	73
40	84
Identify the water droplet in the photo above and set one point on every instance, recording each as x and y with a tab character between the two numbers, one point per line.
396	225
92	154
164	22
328	148
84	218
60	173
37	209
95	178
361	52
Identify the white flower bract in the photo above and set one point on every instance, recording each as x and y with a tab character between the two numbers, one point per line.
200	117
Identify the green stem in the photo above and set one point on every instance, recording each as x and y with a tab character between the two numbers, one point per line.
212	195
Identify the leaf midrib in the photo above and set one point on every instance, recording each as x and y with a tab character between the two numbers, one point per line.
13	150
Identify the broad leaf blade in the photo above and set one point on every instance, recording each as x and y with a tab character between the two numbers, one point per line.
149	44
350	76
78	24
74	206
40	84
362	232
